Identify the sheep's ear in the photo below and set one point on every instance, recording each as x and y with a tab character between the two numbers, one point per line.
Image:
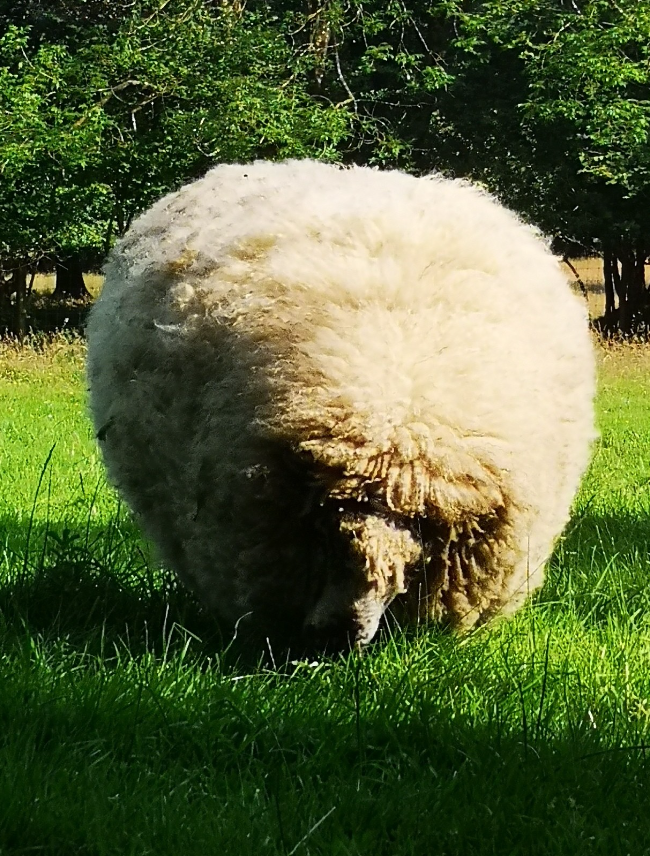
103	430
423	488
455	500
426	477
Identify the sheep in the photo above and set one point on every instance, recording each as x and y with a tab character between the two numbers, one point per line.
325	391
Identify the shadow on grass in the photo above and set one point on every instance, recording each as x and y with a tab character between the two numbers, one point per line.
600	568
97	589
350	760
354	764
100	591
612	534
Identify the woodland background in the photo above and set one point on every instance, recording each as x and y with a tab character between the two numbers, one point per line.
107	104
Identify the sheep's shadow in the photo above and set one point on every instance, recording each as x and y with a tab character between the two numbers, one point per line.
101	591
614	534
600	567
505	783
98	591
68	586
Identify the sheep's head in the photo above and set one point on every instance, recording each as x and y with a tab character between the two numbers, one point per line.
351	606
395	509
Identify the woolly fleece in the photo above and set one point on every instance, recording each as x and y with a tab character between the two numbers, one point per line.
327	390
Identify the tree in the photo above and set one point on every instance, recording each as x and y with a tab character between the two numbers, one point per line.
93	129
382	61
559	126
545	102
105	106
43	150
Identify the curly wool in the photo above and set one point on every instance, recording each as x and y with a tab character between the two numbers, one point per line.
327	390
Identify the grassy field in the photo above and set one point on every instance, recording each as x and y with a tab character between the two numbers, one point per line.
44	283
128	727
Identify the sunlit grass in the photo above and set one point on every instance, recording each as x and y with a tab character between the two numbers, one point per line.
127	726
45	283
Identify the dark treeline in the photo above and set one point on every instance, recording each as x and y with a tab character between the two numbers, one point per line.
107	104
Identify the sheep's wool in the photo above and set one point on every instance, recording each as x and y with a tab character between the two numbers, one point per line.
326	390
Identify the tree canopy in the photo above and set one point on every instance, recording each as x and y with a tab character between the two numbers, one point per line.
97	124
106	105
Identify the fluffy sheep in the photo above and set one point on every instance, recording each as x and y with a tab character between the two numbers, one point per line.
324	391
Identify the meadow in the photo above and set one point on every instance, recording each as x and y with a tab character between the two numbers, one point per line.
130	725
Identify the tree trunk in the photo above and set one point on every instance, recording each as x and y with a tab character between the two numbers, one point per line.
641	255
632	283
620	287
30	287
19	286
639	277
608	276
583	288
5	284
624	276
70	279
109	236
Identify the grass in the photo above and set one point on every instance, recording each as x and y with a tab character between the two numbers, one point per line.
590	271
45	283
128	727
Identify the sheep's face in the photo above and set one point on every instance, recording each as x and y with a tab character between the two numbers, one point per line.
343	616
349	609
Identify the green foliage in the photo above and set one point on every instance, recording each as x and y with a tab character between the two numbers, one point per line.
383	61
44	147
559	127
546	102
93	129
562	92
185	93
106	106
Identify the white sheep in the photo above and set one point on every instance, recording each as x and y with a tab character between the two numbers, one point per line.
327	390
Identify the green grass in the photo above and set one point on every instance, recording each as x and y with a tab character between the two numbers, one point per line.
127	727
